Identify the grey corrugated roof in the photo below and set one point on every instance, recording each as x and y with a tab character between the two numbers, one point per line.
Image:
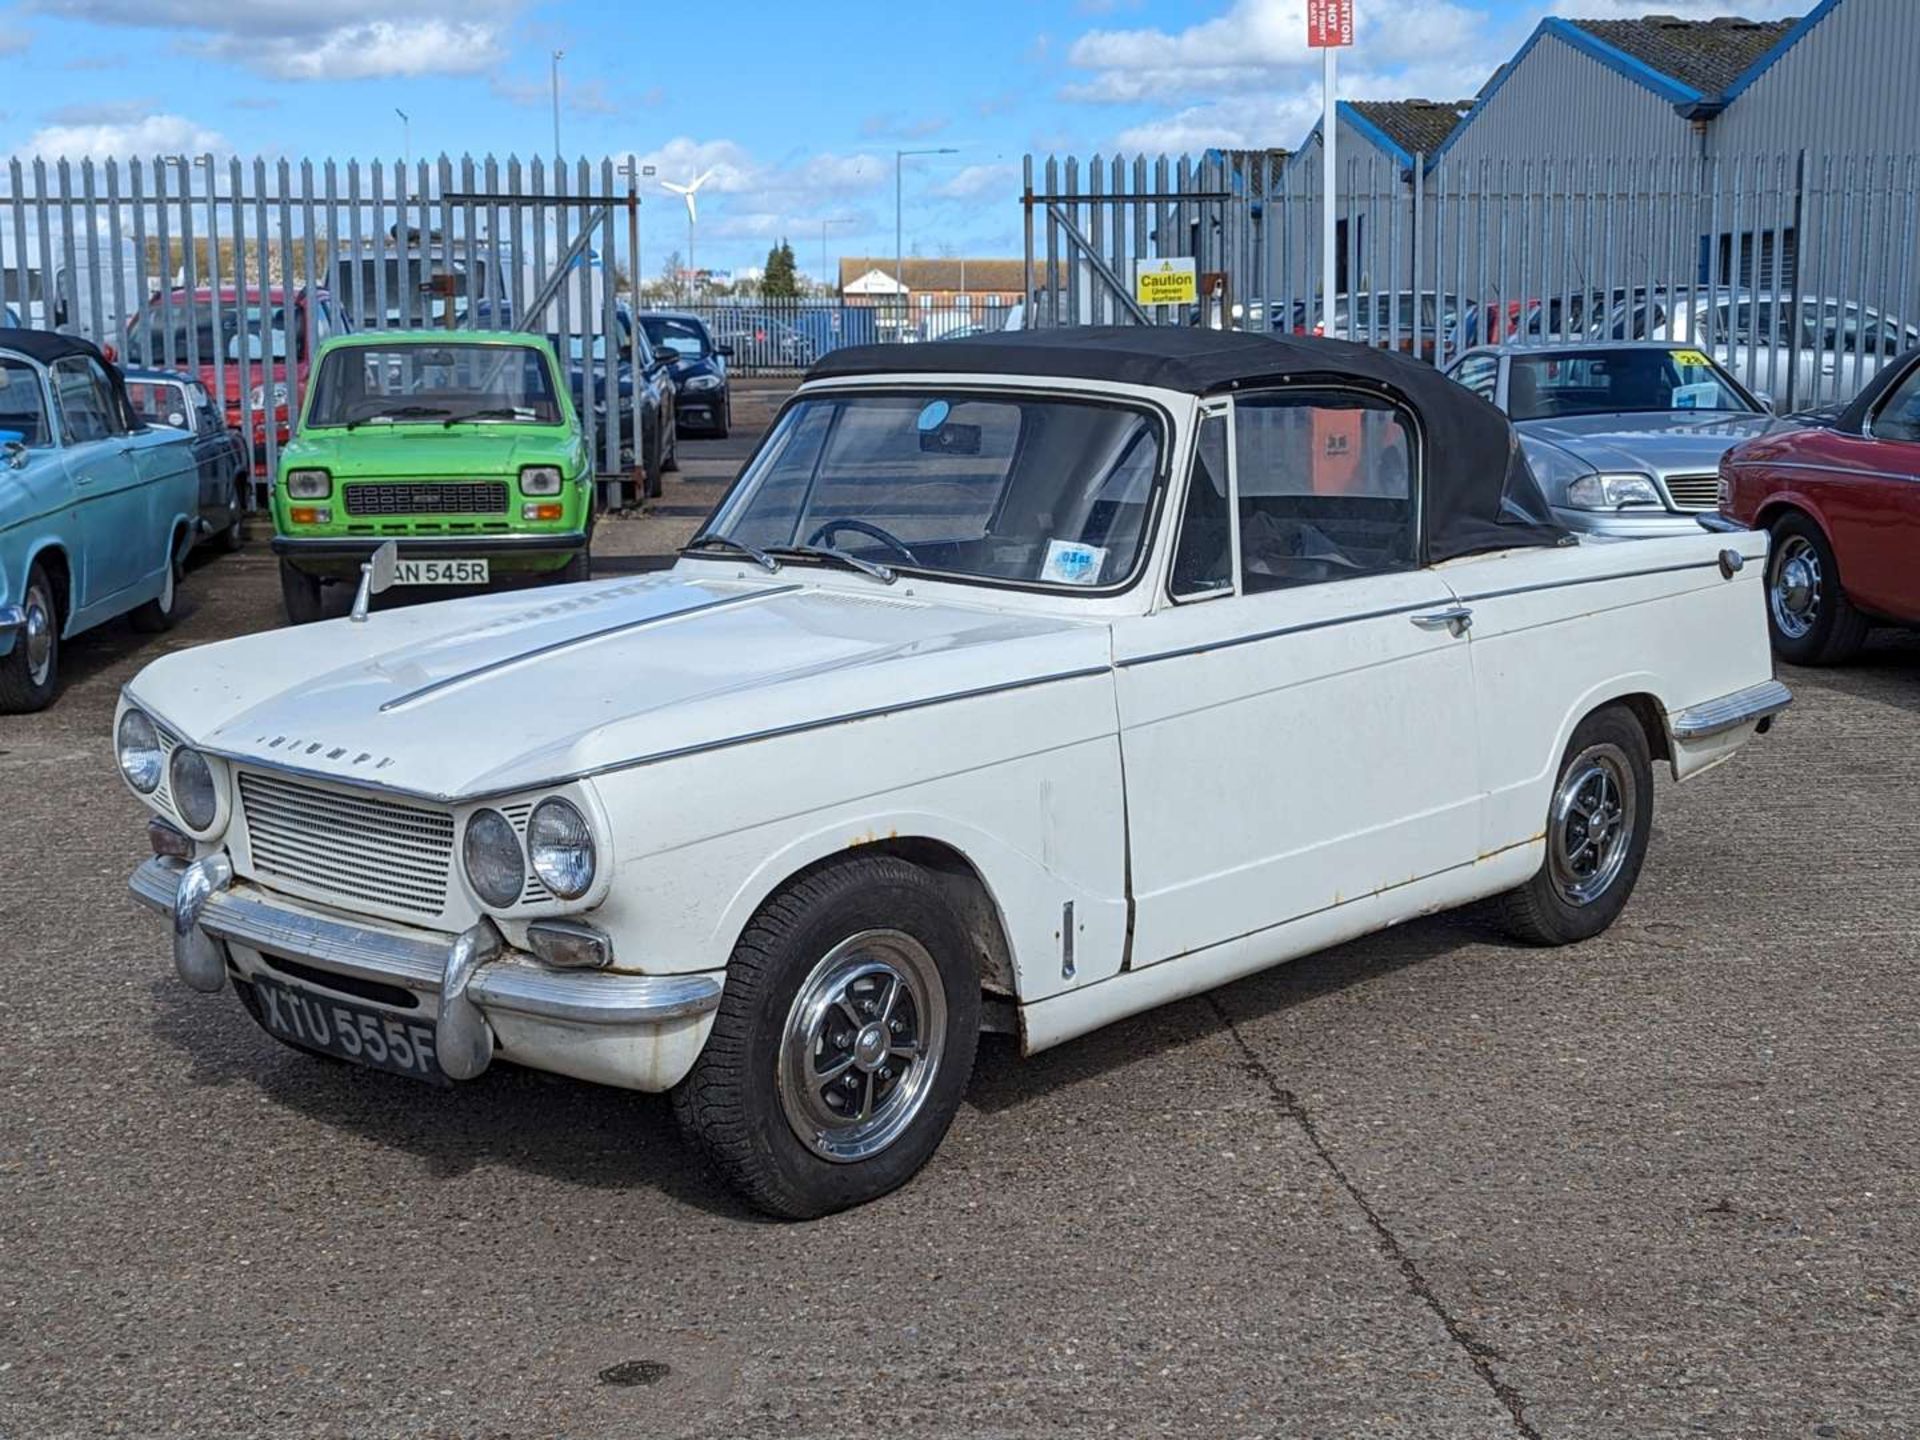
1414	125
1708	55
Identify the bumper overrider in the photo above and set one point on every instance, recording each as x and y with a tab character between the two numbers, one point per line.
483	997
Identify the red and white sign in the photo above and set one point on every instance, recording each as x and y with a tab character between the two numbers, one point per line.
1329	22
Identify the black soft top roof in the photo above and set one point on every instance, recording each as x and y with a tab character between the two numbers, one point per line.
1480	493
47	346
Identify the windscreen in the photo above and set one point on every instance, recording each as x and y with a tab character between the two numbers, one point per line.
670	332
252	331
1618	382
990	487
424	384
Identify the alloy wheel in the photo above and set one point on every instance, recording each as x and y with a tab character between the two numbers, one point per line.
1591	833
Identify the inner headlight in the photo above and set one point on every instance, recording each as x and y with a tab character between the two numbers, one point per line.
495	867
138	745
540	480
1611	492
309	484
194	795
560	844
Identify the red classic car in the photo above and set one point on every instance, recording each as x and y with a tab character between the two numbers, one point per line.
1843	505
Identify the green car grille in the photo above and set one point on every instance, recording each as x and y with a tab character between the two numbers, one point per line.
433	497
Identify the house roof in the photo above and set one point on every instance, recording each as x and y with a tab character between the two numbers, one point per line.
1413	126
1705	55
990	274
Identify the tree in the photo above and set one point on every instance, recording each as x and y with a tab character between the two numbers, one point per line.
781	280
671	280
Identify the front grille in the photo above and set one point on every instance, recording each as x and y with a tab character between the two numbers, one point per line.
427	497
1694	492
357	848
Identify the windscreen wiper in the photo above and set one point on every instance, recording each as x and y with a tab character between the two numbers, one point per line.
405	412
710	538
885	574
496	413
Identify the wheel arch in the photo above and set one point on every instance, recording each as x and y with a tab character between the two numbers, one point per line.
1639	694
51	555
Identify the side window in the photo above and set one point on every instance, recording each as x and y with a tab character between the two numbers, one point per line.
85	404
1480	374
21	409
1203	561
1327	490
1898	417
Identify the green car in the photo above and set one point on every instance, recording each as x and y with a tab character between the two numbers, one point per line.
462	448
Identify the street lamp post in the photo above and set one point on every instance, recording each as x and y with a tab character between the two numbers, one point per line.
899	242
558	56
406	136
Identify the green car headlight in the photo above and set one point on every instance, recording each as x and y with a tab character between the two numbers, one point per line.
309	484
541	480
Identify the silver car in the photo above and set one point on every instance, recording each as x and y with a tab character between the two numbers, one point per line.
1625	439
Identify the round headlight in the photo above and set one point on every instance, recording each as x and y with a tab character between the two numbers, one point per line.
495	868
560	843
194	796
138	746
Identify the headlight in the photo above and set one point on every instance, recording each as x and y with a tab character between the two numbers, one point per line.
703	382
258	399
309	484
560	843
540	480
1610	492
495	867
138	746
194	796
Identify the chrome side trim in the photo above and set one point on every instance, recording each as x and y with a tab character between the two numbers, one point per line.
512	982
1850	471
1729	712
1595	579
1719	524
588	638
1231	641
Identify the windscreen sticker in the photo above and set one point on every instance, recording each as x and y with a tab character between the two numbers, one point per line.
1690	357
1694	397
1071	563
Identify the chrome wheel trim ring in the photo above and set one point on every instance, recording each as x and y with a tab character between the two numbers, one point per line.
39	635
1590	831
166	591
1794	595
862	1045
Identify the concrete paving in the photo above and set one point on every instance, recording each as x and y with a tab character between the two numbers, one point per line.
1428	1184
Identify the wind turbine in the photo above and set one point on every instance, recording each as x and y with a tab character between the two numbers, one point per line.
686	192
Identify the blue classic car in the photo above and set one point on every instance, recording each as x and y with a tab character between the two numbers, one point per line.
97	509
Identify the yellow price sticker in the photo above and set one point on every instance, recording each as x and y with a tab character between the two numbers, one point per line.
1690	357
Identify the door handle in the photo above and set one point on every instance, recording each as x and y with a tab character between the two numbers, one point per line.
1455	620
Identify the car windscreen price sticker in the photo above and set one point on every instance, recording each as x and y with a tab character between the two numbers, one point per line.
1173	281
1329	22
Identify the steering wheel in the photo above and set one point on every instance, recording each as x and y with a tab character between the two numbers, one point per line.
829	528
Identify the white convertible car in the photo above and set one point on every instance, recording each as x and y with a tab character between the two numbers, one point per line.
1046	679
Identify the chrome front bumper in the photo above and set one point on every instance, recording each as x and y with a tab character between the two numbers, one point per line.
485	995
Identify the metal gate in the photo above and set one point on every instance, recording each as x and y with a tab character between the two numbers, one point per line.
1798	275
236	271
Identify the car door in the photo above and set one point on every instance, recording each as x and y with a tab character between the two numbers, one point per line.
109	491
1872	506
1296	723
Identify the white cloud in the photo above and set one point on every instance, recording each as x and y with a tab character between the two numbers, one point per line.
971	182
152	135
797	179
14	40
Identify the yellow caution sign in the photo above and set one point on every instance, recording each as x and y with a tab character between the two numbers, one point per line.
1174	281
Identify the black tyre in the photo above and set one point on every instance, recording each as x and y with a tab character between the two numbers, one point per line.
579	566
843	1042
672	460
159	613
1598	825
235	535
30	672
725	422
302	594
1808	614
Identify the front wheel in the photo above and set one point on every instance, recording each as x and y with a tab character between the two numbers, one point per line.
1598	825
579	567
302	594
235	536
30	672
1809	617
843	1043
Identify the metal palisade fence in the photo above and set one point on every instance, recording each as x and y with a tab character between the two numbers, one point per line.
237	270
1797	273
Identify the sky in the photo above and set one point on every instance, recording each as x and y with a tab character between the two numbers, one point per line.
797	108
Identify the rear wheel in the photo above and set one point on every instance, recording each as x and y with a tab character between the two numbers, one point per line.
159	613
234	536
650	465
1809	616
725	422
1598	825
579	566
302	594
843	1042
30	672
